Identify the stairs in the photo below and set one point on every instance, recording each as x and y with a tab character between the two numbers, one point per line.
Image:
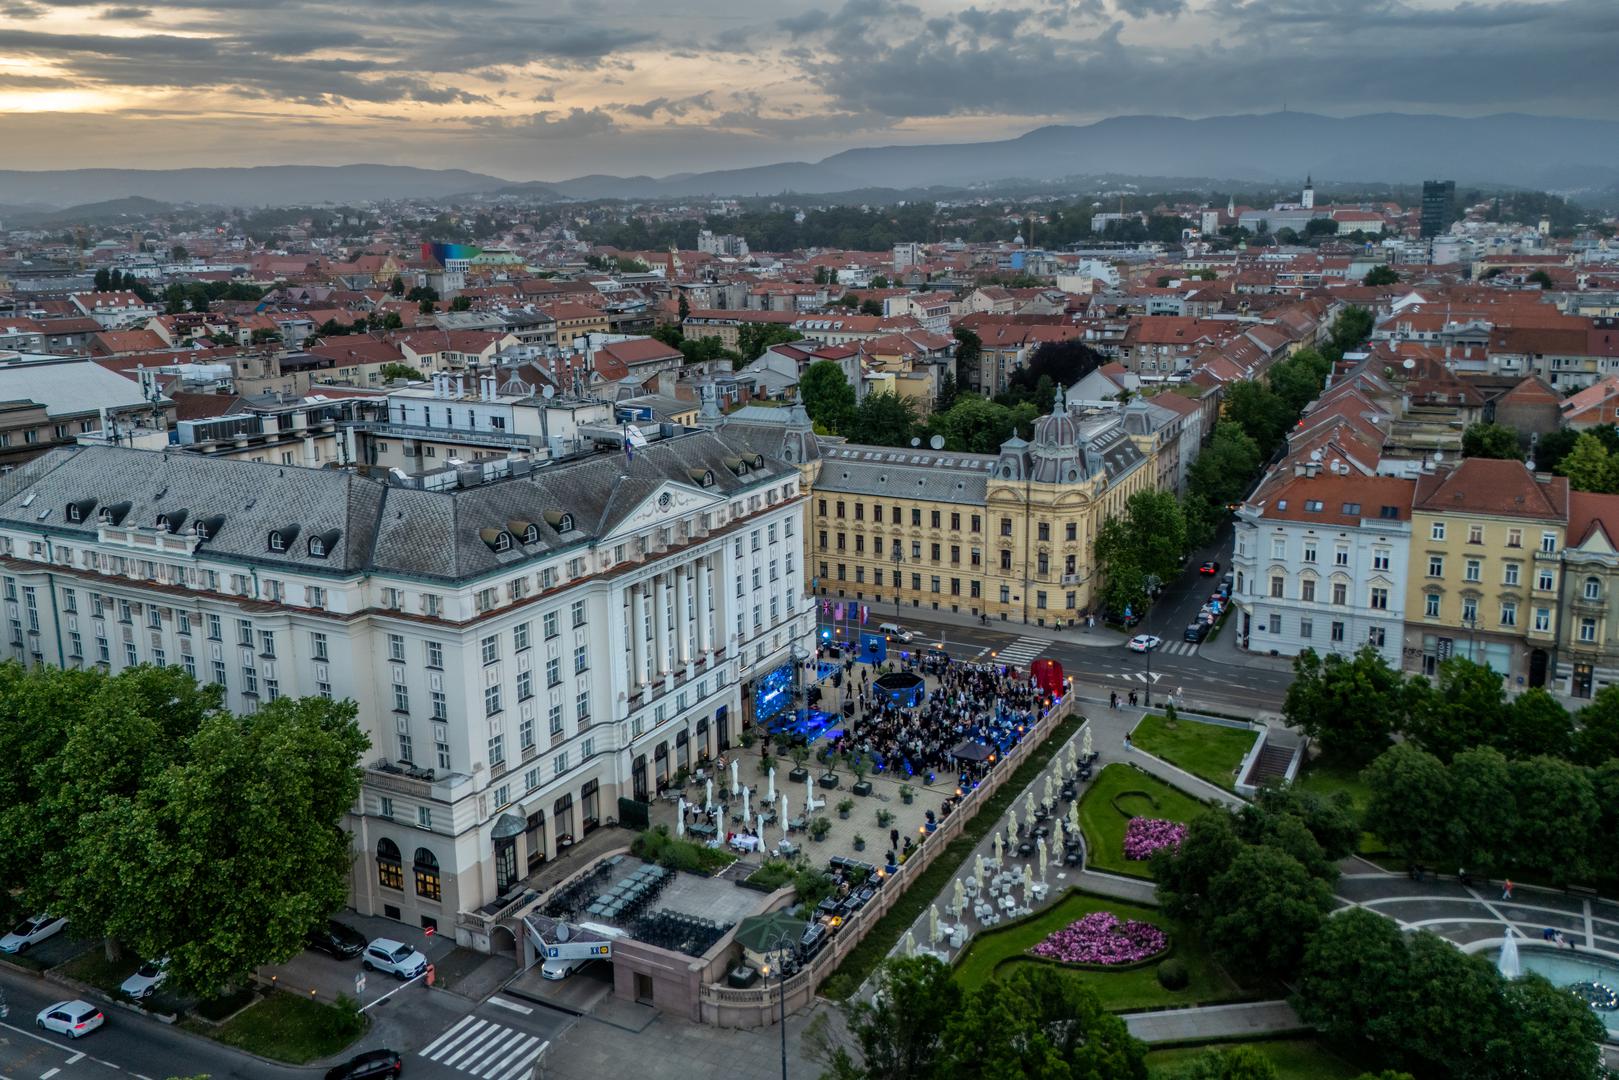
1271	764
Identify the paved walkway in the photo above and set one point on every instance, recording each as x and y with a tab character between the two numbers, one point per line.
1211	1022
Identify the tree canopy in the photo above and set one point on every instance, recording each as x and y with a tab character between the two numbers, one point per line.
827	395
1491	441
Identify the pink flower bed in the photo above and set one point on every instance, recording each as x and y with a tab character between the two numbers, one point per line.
1100	938
1143	836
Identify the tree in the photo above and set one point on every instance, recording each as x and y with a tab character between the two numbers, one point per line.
1491	441
1185	874
1222	472
1332	821
1553	1035
1263	909
1557	815
1597	738
1466	708
1259	411
178	253
1381	275
1352	980
421	293
393	321
397	286
752	339
1062	363
1157	527
1537	724
461	303
1039	1022
426	307
1348	707
1409	803
1589	466
899	1032
1231	1063
879	281
871	306
389	372
947	392
103	280
235	890
969	348
1482	813
827	395
974	425
1550	450
883	419
683	310
1541	278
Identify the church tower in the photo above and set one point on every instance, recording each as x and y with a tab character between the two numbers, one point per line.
1309	194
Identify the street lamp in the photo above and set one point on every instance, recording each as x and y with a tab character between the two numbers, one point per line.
780	948
897	557
1149	676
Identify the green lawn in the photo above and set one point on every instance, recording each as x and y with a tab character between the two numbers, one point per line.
999	951
1208	751
1103	814
93	967
1295	1059
291	1028
1327	777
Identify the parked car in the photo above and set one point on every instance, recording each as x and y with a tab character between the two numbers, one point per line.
394	957
147	978
336	939
895	630
1197	631
75	1018
30	932
1145	642
563	967
370	1064
1210	568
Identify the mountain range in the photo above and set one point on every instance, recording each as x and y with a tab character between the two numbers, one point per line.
1553	153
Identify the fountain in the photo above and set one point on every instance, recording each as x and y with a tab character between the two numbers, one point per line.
1509	965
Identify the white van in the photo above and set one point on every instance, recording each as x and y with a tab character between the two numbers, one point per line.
561	968
895	631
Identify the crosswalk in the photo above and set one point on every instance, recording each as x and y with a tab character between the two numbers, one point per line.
1179	648
1021	651
485	1049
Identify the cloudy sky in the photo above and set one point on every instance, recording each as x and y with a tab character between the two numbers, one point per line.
549	89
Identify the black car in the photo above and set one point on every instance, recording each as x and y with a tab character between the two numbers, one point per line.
335	939
374	1063
1197	631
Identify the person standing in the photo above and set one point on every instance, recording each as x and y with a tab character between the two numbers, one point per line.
1506	890
1113	699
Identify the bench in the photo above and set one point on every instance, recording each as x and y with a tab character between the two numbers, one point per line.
1587	891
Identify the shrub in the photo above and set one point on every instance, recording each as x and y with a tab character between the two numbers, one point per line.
657	846
1172	975
772	875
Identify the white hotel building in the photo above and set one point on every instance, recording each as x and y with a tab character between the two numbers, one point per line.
524	652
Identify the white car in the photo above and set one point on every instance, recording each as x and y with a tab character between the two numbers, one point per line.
31	932
148	977
394	957
1145	642
896	631
75	1019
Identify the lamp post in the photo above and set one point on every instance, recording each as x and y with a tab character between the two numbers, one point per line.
1149	676
897	557
780	948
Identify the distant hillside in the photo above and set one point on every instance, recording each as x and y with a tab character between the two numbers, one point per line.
267	185
108	212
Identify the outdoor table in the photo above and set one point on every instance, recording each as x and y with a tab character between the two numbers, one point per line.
1025	848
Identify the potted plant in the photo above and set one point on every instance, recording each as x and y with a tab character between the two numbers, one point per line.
844	807
747	738
766	763
828	778
859	842
885	818
819	828
682	774
860	765
800	754
906	793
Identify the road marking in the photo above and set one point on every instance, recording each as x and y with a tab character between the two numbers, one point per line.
525	1066
76	1058
445	1041
527	1051
512	1005
493	1049
48	1073
473	1045
1022	650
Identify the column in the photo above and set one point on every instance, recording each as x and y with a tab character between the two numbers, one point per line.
683	631
660	617
705	637
638	657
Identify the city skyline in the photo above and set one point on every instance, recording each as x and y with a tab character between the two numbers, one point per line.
530	91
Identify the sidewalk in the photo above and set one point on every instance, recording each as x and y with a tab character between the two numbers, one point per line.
1096	637
1223	649
1214	1022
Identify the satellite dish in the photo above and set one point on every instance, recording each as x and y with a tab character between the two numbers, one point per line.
937	442
916	442
1315	455
1439	455
1409	364
563	932
548	392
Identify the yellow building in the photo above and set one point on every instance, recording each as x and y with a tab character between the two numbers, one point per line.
1486	540
1009	534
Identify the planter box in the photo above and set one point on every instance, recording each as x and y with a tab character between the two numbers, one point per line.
861	788
798	775
827	780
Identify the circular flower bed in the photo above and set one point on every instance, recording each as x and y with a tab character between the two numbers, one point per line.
1143	836
1100	938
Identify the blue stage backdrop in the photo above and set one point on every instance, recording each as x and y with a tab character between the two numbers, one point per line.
773	693
873	647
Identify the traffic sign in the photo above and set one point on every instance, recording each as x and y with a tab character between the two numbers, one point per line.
359	983
579	950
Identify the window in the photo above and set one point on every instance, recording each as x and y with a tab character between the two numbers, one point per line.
1593	588
553	671
1543	619
525	685
1548	542
218	669
1514	538
1278	548
497	750
1474	570
1380	598
1377	636
1588	629
1341	558
581	706
401	698
1544	581
581	659
317	646
441	744
1436	566
1475	534
491	700
1340	592
1276	584
1437	531
385	809
1509	573
490	648
1274	624
1469	609
424	817
1309	551
396	648
435	654
427	881
578	613
1306	628
1307	590
131	658
1509	613
390	869
1337	631
1431	605
560	764
441	710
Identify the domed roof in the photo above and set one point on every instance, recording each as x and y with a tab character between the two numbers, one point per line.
1059	429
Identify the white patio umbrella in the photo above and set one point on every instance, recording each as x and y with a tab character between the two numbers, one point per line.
680	817
908	946
1087	749
978	873
782	815
960	903
933	924
1011	821
1040	846
809	793
1051	790
761	830
1028	881
1073	814
708	794
735	783
997	847
1028	807
746	816
770	793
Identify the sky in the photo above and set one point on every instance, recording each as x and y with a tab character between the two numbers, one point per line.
526	89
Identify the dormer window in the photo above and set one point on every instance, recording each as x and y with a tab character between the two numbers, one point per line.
708	477
317	547
503	542
531	535
79	510
566	524
201	529
276	543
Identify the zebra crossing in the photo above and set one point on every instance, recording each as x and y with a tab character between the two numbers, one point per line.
1021	651
485	1049
1179	648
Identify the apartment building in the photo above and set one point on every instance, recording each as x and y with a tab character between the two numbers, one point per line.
1588	631
1486	538
524	652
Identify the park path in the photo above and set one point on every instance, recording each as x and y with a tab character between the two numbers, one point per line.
1212	1022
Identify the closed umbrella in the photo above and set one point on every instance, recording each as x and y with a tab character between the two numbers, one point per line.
1051	790
809	794
933	924
784	818
770	794
1087	740
1028	806
1011	820
1041	847
746	816
1073	759
960	903
908	946
997	847
735	783
978	873
680	818
708	794
1028	881
1073	814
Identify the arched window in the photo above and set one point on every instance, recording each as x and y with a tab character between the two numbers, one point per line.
566	524
276	543
1593	588
427	882
317	547
74	513
390	868
531	534
201	529
503	542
